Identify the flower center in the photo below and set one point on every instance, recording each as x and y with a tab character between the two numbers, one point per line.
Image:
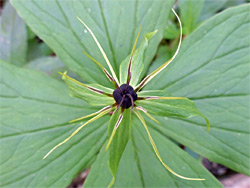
125	95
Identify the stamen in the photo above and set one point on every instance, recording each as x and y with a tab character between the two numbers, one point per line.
123	97
131	56
157	152
159	69
145	111
77	130
102	51
90	115
132	100
111	79
164	98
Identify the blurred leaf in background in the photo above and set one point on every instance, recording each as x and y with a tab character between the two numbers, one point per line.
13	37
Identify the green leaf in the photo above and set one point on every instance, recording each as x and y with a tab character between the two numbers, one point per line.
163	54
213	63
35	110
183	108
56	24
189	13
31	34
171	32
13	36
37	49
210	8
139	167
137	62
81	91
119	141
48	64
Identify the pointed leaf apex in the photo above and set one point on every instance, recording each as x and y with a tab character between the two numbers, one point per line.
151	34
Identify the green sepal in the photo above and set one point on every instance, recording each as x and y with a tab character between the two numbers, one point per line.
120	140
79	91
137	62
181	108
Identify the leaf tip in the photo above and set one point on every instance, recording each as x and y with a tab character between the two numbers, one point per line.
112	182
208	124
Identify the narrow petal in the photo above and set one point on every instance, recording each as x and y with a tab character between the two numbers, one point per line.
159	69
84	85
131	57
114	130
99	64
93	114
164	98
157	152
145	111
111	79
102	51
77	130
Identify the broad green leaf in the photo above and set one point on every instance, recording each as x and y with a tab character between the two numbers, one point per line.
119	141
183	108
13	36
80	90
115	24
50	65
139	166
213	63
137	62
210	8
35	110
189	13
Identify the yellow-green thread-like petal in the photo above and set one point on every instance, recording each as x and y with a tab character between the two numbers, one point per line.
114	131
145	111
159	69
131	56
112	182
77	130
90	115
102	51
157	152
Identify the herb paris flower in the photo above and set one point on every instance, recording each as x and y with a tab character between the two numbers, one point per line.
128	98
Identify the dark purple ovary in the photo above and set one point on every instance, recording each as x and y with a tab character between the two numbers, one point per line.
128	91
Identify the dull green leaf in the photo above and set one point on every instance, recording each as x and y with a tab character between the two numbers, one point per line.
56	24
139	166
47	64
13	36
35	110
213	63
189	13
171	32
